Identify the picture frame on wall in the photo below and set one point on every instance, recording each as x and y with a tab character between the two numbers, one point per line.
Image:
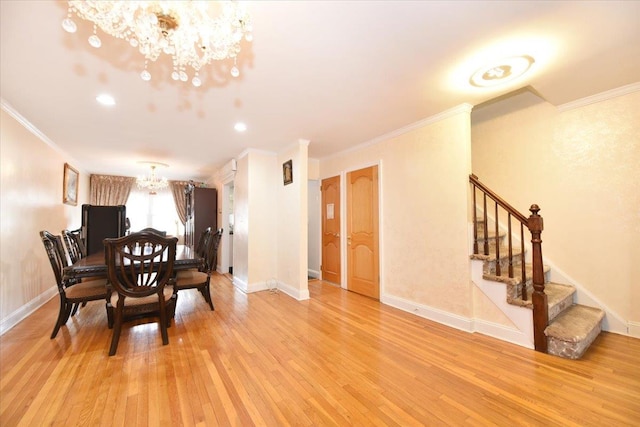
287	172
70	185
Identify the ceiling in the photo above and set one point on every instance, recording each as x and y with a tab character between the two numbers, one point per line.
335	73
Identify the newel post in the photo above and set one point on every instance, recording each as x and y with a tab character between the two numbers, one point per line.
539	298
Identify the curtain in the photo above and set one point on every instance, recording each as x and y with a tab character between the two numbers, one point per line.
177	189
109	190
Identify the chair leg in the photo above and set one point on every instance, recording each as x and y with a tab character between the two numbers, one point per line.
109	308
163	323
67	312
61	317
116	330
75	309
206	292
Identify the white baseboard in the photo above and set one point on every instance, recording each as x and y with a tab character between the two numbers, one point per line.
634	329
435	314
313	273
501	332
299	294
21	313
293	292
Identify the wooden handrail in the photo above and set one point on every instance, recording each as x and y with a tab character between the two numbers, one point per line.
506	206
534	224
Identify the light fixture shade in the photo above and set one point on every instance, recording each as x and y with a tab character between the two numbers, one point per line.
152	182
192	33
502	71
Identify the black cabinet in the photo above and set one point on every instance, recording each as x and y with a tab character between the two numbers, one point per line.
100	222
201	206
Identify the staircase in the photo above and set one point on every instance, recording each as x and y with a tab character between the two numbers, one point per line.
568	328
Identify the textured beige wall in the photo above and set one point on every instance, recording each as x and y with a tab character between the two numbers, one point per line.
31	174
582	167
423	223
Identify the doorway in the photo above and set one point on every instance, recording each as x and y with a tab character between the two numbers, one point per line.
331	254
227	221
363	274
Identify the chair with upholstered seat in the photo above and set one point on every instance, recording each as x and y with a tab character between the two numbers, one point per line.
73	242
200	279
153	230
140	271
71	293
201	247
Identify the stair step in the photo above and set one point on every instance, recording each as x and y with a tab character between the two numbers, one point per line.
559	298
571	333
491	236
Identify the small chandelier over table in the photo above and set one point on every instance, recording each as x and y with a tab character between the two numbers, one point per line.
151	181
194	33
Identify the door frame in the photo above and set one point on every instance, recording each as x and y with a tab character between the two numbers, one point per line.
226	258
343	223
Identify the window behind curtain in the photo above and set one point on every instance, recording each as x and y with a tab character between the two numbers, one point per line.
157	211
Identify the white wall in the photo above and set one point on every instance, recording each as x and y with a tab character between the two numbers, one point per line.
31	174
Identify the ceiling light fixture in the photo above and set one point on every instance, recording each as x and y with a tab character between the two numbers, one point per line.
502	71
151	181
240	127
105	99
193	33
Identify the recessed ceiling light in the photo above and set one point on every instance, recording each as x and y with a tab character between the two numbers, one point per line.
105	99
240	127
502	71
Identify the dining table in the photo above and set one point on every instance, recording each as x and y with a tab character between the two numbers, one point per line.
94	265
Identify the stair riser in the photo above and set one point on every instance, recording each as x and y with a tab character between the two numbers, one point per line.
490	265
560	307
572	350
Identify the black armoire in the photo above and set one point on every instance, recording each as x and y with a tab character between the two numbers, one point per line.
201	207
100	222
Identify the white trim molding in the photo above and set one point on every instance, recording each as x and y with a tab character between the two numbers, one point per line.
23	312
599	97
634	329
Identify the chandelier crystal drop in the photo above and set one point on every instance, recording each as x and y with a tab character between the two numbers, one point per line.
152	182
193	33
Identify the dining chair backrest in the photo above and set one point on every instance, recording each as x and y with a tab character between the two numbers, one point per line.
212	251
55	252
201	247
140	264
153	230
73	242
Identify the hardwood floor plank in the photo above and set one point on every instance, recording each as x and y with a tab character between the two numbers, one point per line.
337	359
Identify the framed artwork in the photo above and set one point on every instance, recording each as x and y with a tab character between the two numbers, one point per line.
70	185
287	172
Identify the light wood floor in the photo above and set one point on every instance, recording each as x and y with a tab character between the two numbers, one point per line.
337	359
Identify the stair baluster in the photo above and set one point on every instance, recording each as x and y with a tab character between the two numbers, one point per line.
534	224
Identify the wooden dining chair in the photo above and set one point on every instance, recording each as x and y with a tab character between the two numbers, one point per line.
73	242
140	272
200	279
71	293
201	247
153	230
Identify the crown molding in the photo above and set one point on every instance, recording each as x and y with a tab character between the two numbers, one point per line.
599	97
462	108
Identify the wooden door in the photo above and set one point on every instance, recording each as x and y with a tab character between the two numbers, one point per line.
331	230
363	274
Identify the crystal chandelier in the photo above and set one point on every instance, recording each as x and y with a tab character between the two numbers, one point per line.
152	182
193	33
